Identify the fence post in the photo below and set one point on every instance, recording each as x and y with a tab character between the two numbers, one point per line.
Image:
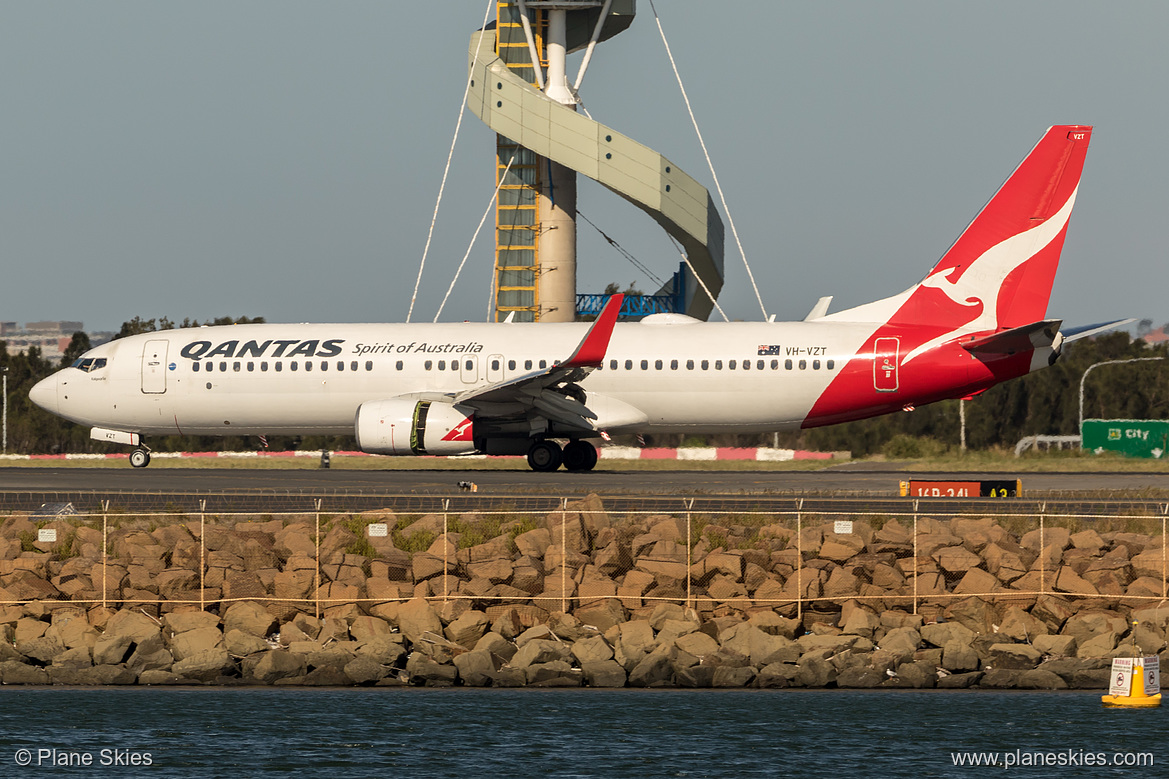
563	555
800	560
105	560
1042	549
689	553
916	569
317	578
202	552
1164	512
445	545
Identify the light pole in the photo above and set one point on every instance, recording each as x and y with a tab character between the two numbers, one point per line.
4	372
1097	365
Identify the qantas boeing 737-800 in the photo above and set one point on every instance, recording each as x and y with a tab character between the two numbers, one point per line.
977	319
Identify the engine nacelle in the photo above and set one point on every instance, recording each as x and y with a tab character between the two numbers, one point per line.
401	426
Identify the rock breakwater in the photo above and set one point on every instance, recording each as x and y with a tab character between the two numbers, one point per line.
579	598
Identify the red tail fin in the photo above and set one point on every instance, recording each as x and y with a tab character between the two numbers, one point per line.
1000	270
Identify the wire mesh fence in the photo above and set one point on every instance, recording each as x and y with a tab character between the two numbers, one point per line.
587	557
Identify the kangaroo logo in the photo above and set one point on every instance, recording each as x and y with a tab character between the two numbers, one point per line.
970	286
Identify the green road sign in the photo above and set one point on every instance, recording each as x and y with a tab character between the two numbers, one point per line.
1131	437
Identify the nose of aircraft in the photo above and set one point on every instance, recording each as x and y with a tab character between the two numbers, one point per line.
44	394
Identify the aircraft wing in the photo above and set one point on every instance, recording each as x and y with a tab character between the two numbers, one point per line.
550	393
1084	331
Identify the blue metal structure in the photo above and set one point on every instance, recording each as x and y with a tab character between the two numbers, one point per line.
637	306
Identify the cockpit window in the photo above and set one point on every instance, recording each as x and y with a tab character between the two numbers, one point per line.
89	364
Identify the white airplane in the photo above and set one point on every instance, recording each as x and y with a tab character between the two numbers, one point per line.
976	320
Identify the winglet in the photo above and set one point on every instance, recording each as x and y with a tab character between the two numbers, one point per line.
591	351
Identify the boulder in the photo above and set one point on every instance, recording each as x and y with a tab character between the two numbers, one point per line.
111	650
468	628
184	621
603	673
556	673
733	677
591	650
1040	679
1057	645
241	644
654	670
205	666
364	669
197	641
539	651
416	618
1014	656
476	668
250	618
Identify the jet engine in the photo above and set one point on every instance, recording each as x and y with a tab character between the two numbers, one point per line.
403	426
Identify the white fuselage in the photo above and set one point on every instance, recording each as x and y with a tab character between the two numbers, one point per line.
666	374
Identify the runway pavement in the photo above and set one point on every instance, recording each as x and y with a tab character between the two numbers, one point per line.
871	482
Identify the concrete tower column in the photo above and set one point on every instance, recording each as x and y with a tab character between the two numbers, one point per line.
557	196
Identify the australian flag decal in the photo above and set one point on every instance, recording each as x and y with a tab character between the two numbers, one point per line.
769	350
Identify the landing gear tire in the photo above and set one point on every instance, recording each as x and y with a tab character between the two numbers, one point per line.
545	456
139	458
580	456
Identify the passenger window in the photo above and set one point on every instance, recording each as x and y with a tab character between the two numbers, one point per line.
428	365
746	365
612	365
718	365
251	367
760	365
527	365
263	366
468	364
690	365
803	365
353	365
495	365
543	364
787	364
645	365
308	365
831	364
398	365
629	365
775	365
279	366
706	365
324	365
223	367
340	365
511	365
235	367
815	365
369	365
673	365
293	365
731	365
657	365
442	365
194	367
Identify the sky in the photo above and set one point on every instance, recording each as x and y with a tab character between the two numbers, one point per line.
282	158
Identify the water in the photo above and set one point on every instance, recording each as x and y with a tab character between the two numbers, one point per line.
562	733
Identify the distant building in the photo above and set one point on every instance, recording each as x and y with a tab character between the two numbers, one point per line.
1154	337
52	338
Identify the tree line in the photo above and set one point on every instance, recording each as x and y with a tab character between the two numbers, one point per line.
1045	402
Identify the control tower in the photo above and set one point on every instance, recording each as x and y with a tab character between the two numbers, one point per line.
520	88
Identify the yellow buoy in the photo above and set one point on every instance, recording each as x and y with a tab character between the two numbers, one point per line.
1128	683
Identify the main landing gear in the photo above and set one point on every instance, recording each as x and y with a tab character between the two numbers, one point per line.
140	458
577	455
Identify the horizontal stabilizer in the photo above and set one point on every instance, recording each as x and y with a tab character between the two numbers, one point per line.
1086	331
1018	339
